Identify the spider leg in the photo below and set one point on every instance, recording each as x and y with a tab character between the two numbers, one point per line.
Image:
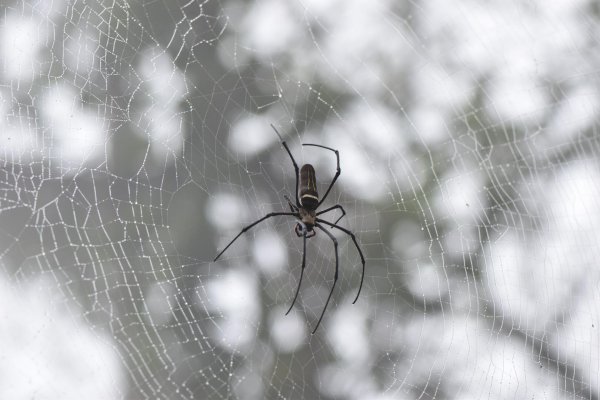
292	206
333	208
362	257
337	172
304	231
269	215
284	144
335	276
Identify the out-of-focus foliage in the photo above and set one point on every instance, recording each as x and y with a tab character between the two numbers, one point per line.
135	142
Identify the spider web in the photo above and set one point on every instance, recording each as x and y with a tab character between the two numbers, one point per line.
135	144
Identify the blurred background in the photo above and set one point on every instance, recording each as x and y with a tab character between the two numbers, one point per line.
135	144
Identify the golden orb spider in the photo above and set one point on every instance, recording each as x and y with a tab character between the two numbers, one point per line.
305	210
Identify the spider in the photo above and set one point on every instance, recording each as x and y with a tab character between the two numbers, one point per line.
305	210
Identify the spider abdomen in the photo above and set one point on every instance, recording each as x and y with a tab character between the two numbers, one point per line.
308	188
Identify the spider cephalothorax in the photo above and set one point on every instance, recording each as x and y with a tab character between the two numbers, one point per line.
305	210
308	218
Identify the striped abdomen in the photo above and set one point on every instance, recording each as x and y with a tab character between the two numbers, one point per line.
309	198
